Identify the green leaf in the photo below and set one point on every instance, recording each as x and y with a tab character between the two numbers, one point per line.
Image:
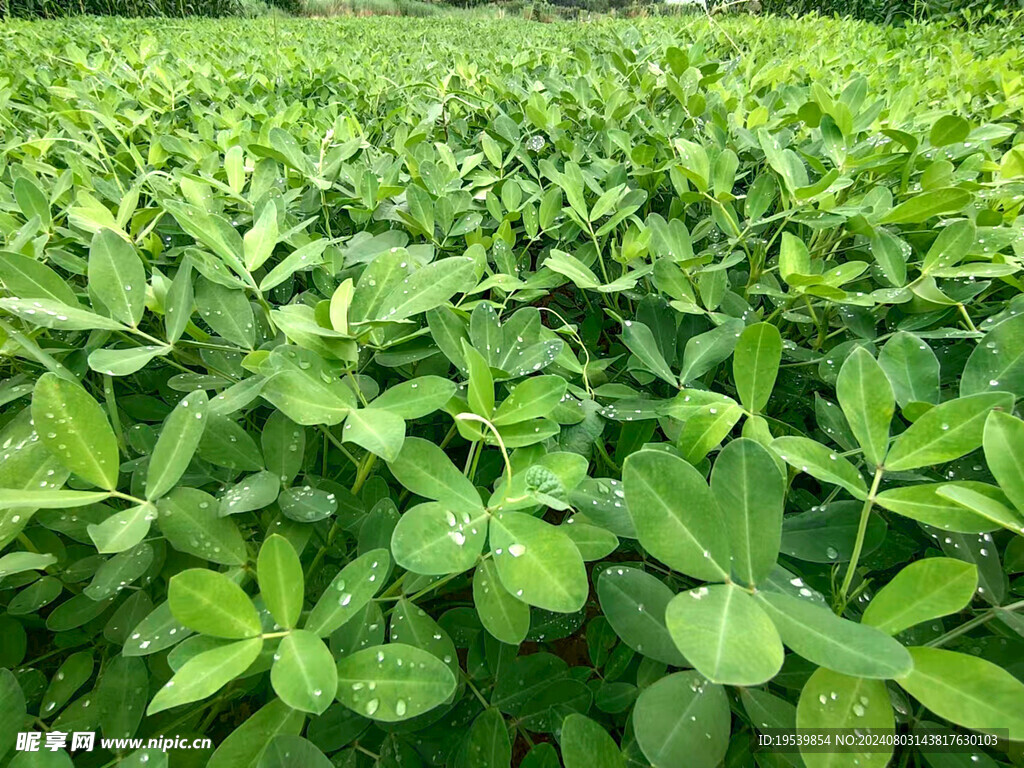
71	676
997	363
31	279
12	702
417	397
300	384
124	362
287	750
676	517
117	277
434	540
826	533
682	720
18	562
258	243
380	278
818	461
923	590
480	391
379	431
725	635
244	746
748	486
829	641
32	201
533	398
568	265
176	445
641	342
304	674
705	428
832	700
755	364
794	258
948	129
1003	441
227	311
503	615
422	208
75	429
12	498
284	445
586	744
538	563
209	602
411	625
303	257
966	690
210	229
156	632
428	287
205	674
594	543
119	571
395	682
912	369
281	581
252	493
945	432
190	521
121	696
925	504
634	603
425	470
48	313
934	202
227	444
353	587
487	744
951	246
341	300
868	403
985	506
179	303
705	351
891	254
122	530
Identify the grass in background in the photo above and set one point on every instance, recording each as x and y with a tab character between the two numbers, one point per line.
369	8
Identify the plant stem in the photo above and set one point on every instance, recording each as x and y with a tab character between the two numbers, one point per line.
858	545
977	621
362	473
967	317
36	352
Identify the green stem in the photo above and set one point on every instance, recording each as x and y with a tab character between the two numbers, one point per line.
469	457
115	420
36	352
362	473
337	444
967	317
858	545
479	696
977	621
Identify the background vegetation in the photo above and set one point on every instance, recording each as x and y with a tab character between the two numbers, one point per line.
476	392
879	11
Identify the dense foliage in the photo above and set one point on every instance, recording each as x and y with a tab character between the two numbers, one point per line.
58	8
465	393
900	11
